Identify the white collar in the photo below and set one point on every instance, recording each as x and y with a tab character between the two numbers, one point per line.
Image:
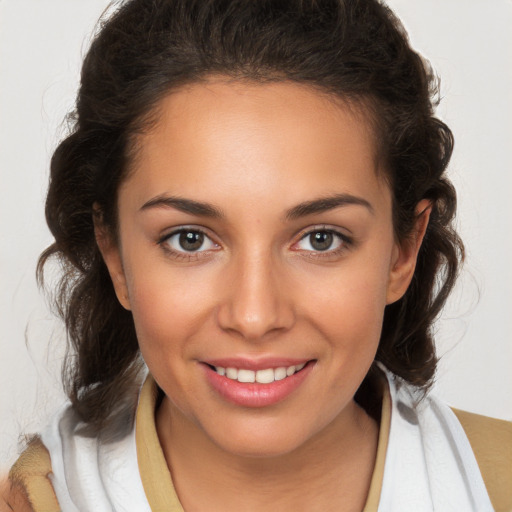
429	465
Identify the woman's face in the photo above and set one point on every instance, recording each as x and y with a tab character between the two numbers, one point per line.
256	237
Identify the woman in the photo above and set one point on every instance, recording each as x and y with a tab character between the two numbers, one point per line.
253	204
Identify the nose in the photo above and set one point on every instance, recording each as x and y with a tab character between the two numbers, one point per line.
256	302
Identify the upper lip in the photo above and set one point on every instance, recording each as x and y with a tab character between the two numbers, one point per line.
262	363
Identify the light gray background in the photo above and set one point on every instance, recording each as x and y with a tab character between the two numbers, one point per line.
469	43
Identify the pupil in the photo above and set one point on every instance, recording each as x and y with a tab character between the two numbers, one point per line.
321	240
191	240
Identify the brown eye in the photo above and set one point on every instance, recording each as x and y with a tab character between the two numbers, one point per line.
191	240
321	240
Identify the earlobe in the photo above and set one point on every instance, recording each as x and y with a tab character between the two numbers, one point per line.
406	254
111	254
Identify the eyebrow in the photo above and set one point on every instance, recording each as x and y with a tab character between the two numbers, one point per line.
184	205
304	209
324	204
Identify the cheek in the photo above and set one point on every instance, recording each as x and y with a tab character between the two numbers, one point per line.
167	320
348	305
168	307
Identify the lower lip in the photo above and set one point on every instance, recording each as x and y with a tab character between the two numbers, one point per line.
254	394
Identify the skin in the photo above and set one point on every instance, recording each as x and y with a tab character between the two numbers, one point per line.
13	497
260	289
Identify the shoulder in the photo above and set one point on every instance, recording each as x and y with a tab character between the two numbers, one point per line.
28	487
491	441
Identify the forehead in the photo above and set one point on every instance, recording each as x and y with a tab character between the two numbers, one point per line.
220	138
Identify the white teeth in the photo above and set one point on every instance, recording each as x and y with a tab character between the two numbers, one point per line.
232	373
246	376
280	373
265	376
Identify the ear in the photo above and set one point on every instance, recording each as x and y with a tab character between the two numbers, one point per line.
109	249
406	254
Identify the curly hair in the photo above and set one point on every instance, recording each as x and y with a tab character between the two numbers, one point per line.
354	49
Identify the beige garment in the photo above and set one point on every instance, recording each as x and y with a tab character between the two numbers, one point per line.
30	476
491	441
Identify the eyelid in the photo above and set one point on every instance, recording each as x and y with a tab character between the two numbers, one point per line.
347	241
183	254
322	227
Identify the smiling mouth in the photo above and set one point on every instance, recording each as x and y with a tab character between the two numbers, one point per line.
263	385
263	376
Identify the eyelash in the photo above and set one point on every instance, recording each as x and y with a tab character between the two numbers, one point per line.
345	243
185	255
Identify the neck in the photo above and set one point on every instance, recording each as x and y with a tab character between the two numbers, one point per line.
331	471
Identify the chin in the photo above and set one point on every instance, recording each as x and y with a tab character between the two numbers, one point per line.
261	440
262	447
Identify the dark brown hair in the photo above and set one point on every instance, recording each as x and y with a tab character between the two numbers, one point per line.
354	49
